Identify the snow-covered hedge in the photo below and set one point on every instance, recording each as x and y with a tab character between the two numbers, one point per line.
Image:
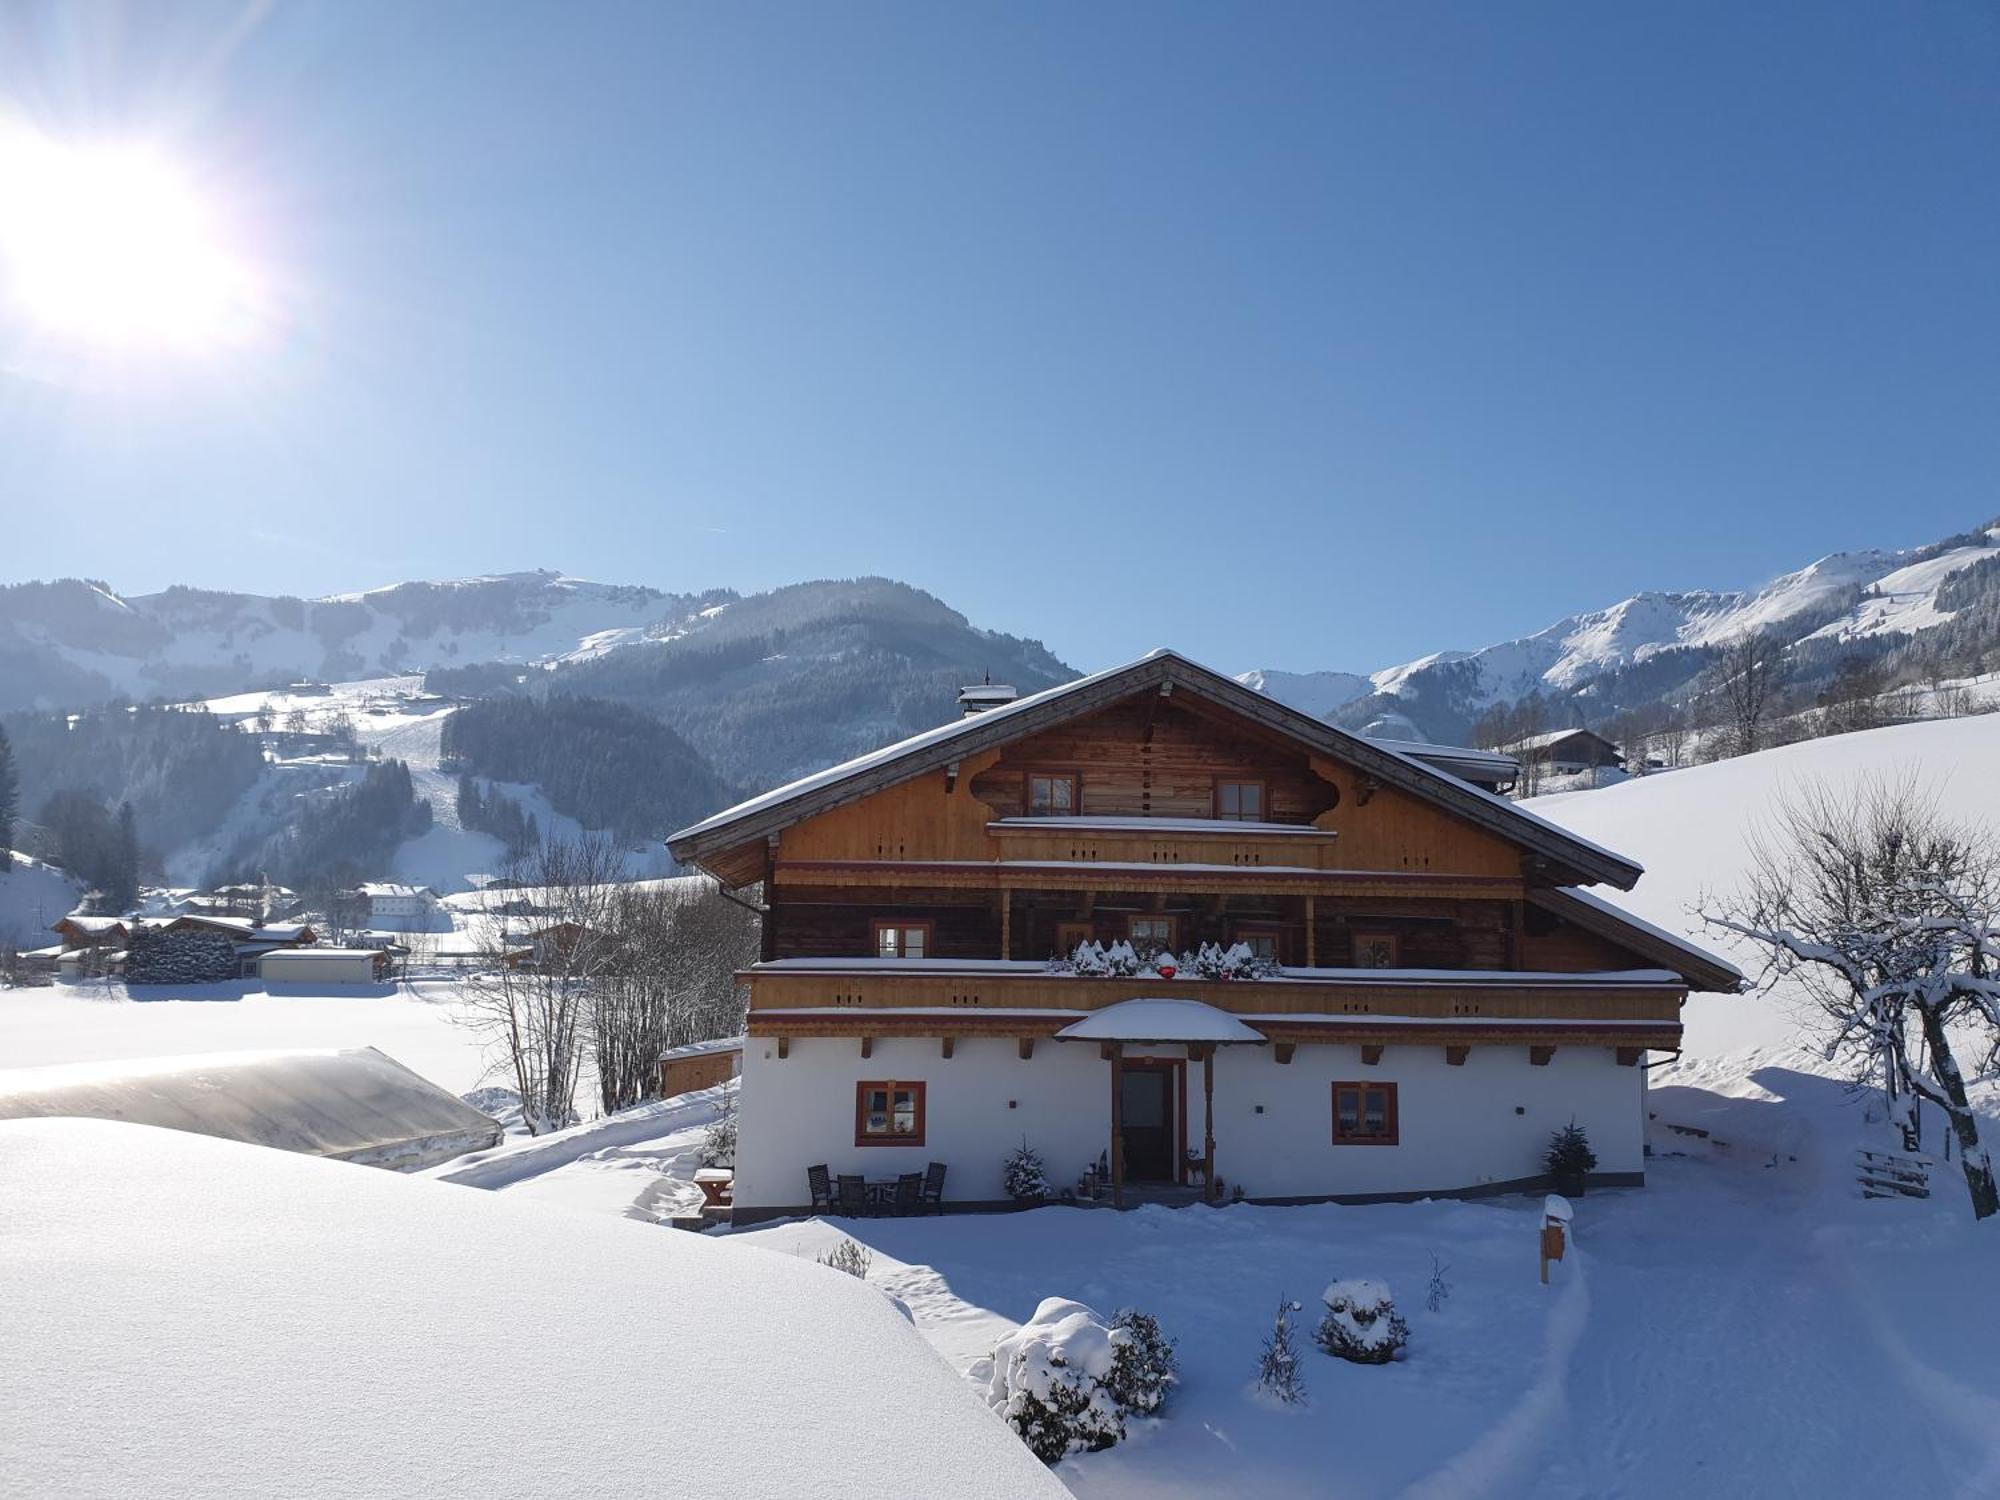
1122	961
1361	1323
1066	1380
180	958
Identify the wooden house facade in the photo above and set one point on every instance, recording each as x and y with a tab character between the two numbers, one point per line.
1395	959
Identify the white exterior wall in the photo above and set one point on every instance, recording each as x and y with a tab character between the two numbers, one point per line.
798	1111
334	966
1458	1126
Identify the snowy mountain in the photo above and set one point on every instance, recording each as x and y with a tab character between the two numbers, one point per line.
1643	648
72	642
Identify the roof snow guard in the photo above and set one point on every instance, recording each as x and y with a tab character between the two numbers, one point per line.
1577	861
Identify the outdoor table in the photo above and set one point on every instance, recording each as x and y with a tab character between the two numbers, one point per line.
715	1184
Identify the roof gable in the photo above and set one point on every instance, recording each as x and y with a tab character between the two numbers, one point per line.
1571	860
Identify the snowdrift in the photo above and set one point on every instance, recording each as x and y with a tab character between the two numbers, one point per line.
193	1316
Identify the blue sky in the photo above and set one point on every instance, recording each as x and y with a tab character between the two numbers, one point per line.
1294	336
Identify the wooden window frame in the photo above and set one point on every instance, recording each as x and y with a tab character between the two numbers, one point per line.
1243	931
1085	932
1391	1114
1173	922
928	928
1075	780
1362	935
891	1085
1263	799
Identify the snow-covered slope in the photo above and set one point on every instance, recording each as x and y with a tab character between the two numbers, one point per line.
189	1316
1691	830
1846	597
32	896
73	641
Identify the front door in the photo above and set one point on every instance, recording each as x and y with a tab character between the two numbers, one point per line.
1146	1117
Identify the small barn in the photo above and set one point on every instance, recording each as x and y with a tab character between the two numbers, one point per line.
1567	751
700	1065
356	1105
324	966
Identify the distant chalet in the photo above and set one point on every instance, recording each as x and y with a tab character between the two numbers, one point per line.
990	932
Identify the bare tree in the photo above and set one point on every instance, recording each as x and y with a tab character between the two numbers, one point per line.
1888	916
671	981
1745	677
534	995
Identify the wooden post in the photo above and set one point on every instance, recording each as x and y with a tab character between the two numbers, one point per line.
1208	1120
1117	1125
1006	924
1312	935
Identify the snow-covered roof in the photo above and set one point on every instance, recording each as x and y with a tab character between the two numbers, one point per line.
705	1049
355	1334
1557	736
852	779
384	890
352	1105
1161	1020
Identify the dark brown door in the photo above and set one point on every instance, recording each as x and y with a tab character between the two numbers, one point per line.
1147	1123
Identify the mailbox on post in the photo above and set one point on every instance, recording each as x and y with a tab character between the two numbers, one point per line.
1556	1215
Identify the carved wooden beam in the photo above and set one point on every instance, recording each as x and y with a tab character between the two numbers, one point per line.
867	1045
1456	1056
1282	1051
784	1047
1109	1051
1027	1048
1540	1056
1628	1057
1371	1055
1365	787
947	1046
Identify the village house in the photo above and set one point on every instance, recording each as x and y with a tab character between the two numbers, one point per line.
251	940
1566	752
400	908
1155	921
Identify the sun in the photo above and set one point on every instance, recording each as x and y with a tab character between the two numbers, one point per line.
115	246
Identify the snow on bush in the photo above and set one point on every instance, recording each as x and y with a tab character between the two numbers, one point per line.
850	1256
1143	1366
718	1142
1278	1373
1066	1380
1025	1174
1361	1323
1095	961
1213	961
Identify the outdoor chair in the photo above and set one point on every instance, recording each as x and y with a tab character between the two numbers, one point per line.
932	1196
820	1184
852	1195
909	1193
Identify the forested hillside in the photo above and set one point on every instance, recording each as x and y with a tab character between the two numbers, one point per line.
180	769
345	835
607	765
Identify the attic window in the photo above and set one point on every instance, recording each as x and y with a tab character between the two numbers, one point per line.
1051	795
1240	801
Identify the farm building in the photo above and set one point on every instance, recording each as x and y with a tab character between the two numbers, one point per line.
357	1105
700	1065
324	966
1567	751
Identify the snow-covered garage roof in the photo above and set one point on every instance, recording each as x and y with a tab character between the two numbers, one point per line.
188	1316
356	1105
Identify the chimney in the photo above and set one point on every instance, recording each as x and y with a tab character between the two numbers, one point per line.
982	696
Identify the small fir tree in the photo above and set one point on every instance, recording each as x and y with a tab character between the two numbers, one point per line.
1025	1175
1278	1373
1569	1155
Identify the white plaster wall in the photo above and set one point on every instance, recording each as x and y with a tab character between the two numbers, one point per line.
799	1110
1458	1125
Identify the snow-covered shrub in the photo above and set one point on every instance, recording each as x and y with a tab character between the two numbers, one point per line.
1143	1366
1025	1175
718	1142
1361	1323
180	958
850	1256
1047	1381
1213	961
1278	1373
1095	961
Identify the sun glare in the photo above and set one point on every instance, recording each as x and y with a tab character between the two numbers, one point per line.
113	246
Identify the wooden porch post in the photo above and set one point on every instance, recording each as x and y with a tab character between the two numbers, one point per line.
1117	1125
1312	935
1208	1120
1006	924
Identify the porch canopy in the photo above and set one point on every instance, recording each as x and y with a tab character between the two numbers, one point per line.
1146	1022
1163	1021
